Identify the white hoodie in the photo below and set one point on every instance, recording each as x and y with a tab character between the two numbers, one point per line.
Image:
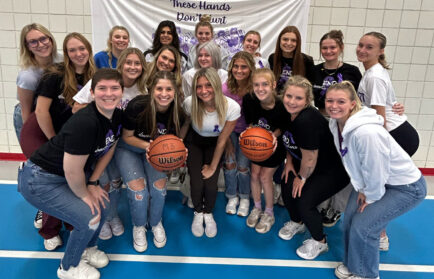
371	156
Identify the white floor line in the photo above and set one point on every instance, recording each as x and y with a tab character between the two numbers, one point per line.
214	260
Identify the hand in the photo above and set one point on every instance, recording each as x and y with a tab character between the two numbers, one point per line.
398	108
92	202
297	186
99	194
147	150
207	171
289	167
76	107
361	201
274	141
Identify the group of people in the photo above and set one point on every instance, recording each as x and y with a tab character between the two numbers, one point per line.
85	124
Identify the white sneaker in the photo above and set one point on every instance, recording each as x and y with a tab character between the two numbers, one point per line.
231	206
82	271
342	272
265	224
159	235
276	193
190	203
95	257
210	225
253	218
139	239
106	232
174	176
358	277
197	225
311	249
384	243
290	229
243	209
37	223
116	226
52	243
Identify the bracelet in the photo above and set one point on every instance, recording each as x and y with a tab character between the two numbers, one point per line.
301	177
94	183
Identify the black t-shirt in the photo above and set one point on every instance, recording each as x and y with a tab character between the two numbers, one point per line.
86	132
310	131
51	86
324	78
287	65
138	105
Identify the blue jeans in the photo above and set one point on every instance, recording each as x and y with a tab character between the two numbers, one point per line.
18	120
112	176
51	193
133	165
362	230
237	182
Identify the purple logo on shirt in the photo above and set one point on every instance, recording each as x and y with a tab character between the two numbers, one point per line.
361	96
261	65
286	73
290	145
110	139
343	151
161	128
216	129
263	123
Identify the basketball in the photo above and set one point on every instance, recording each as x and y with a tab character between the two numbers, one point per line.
257	144
167	152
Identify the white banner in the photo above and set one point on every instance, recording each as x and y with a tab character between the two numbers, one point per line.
231	20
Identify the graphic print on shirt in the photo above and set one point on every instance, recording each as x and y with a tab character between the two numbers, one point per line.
216	129
110	140
361	97
161	128
263	123
286	73
328	81
290	145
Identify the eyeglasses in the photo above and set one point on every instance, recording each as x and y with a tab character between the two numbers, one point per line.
34	43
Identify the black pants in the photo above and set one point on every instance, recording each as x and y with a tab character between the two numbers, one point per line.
200	152
407	137
317	188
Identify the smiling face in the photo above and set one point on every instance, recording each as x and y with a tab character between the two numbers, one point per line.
288	43
166	36
166	61
77	53
294	99
330	50
39	44
204	90
240	70
368	50
163	94
132	68
203	34
120	40
107	95
204	59
251	43
263	87
338	104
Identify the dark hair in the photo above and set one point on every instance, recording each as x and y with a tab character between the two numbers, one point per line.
156	44
106	74
335	35
383	41
298	65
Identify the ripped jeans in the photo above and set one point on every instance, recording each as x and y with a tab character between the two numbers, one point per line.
112	177
52	194
147	204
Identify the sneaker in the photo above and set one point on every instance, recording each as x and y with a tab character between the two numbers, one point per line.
290	229
210	225
139	238
253	218
280	201
159	235
95	257
342	272
243	209
265	223
105	232
52	243
231	206
384	243
38	220
311	249
116	226
358	277
197	225
82	271
330	217
276	193
174	176
190	203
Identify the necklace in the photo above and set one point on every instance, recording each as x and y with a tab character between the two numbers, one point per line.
332	71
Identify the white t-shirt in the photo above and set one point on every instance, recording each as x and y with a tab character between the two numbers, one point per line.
187	79
375	89
261	63
84	97
210	125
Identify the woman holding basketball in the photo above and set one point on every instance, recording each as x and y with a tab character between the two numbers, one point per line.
146	117
213	118
264	109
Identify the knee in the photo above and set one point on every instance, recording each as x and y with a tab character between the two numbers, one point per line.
243	171
137	184
229	166
160	184
265	179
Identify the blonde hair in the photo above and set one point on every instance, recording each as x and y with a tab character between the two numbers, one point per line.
109	42
253	32
383	41
27	58
197	107
141	80
232	82
267	74
301	82
348	87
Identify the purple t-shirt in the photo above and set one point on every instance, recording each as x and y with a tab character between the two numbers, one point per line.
241	122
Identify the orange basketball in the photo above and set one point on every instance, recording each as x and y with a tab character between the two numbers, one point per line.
257	144
167	152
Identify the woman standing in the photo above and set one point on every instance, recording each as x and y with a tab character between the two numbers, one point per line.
213	118
118	40
386	182
251	44
56	178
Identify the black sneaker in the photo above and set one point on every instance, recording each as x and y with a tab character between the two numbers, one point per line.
330	217
38	220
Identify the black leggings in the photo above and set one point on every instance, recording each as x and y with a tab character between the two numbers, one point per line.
200	152
407	137
317	188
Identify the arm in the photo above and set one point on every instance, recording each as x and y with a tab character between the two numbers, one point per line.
43	116
208	170
184	129
307	166
128	137
381	111
76	107
25	97
102	163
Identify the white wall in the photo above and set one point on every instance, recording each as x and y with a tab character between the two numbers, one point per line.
408	25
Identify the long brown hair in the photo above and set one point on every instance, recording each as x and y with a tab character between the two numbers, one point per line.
232	82
141	80
298	64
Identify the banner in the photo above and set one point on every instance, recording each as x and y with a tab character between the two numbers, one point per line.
230	19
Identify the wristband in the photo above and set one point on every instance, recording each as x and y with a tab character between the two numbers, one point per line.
94	183
301	177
